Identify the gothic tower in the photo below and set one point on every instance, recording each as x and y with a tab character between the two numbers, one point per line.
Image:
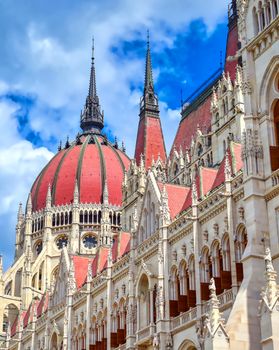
150	139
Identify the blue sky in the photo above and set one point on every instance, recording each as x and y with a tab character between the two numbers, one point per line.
44	72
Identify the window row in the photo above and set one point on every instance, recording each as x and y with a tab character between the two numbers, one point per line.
37	224
264	13
214	263
61	219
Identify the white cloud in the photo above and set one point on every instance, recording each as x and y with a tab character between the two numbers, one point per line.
20	163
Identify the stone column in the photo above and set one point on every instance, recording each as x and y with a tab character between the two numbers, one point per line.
197	244
88	305
109	297
231	225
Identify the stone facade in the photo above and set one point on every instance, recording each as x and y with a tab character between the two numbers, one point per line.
191	257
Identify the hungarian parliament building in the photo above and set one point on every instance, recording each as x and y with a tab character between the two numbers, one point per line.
160	251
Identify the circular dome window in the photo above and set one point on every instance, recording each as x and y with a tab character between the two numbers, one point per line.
62	241
89	241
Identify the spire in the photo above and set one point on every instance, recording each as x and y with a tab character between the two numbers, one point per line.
228	169
150	140
92	118
232	13
76	193
148	83
149	101
29	205
48	197
105	194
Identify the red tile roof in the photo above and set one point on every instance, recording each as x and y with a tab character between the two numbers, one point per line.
234	156
89	163
81	269
207	178
188	126
176	197
150	141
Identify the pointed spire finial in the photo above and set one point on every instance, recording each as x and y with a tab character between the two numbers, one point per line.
76	192
19	213
194	192
29	204
148	84
105	194
228	170
93	48
92	118
48	197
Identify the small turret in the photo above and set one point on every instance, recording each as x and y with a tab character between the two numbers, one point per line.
48	197
29	205
76	193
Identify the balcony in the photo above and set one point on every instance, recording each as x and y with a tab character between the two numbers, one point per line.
187	318
145	334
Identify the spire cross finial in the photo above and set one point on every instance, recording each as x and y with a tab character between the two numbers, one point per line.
148	66
93	53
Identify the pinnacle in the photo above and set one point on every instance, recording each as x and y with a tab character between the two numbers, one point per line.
92	119
148	68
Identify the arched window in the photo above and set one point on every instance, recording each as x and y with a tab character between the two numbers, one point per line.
240	245
90	217
95	217
205	274
176	169
276	122
204	266
57	219
143	302
191	279
118	219
199	150
85	217
81	217
70	217
226	254
216	260
62	219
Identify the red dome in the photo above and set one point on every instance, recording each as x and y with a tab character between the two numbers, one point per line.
92	161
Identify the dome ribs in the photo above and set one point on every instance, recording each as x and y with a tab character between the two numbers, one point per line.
80	160
54	185
114	175
38	201
67	177
119	158
102	164
91	163
90	176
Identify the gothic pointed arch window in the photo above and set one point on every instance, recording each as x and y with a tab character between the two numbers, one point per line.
240	245
191	282
66	218
205	273
255	21
174	292
143	302
276	121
